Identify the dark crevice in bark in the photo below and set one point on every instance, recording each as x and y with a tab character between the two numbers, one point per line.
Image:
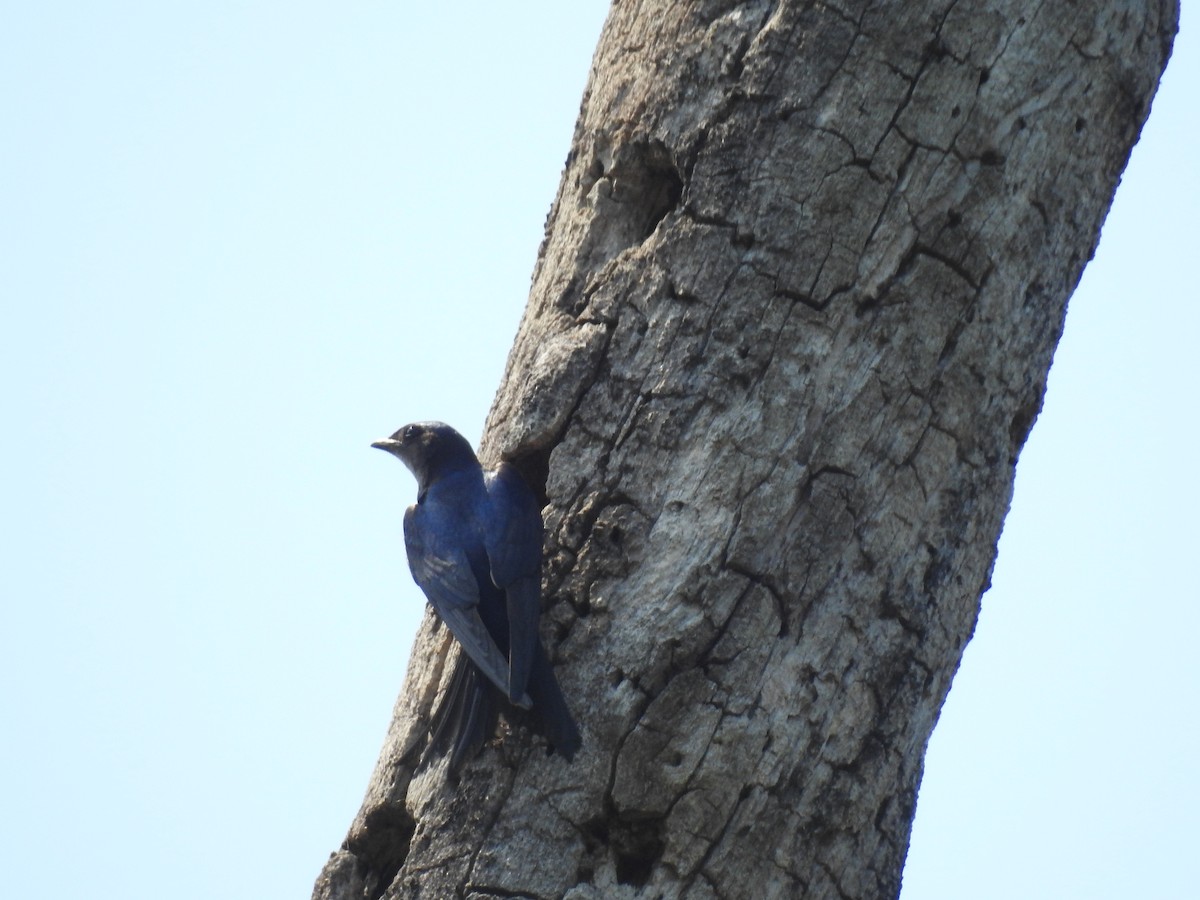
533	462
382	846
633	187
890	609
635	845
774	592
534	466
828	469
663	190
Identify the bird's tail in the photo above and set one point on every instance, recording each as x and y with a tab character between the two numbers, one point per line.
465	718
550	715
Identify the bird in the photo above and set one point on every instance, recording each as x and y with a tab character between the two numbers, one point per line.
474	544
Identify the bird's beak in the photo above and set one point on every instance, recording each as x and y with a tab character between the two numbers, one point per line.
388	444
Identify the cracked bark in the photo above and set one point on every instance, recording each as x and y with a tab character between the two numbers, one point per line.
788	331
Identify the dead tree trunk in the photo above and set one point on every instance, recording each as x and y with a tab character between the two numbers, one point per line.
787	334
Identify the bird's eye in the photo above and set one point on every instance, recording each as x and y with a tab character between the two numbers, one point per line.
410	432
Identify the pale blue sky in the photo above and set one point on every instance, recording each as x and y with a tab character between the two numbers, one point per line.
242	240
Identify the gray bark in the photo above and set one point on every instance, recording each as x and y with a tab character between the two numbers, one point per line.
787	334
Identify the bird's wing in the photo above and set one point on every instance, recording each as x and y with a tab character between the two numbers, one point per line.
513	540
442	570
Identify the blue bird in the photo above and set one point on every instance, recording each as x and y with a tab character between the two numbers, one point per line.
474	541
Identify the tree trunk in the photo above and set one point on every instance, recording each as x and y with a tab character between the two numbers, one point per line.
788	331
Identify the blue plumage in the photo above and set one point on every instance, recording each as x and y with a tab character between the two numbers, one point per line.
474	541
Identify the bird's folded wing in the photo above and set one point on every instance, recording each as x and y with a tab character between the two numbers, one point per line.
444	573
514	535
523	599
514	548
467	627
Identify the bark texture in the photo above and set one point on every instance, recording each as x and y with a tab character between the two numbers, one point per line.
787	334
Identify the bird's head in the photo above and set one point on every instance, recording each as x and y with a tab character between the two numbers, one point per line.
429	449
